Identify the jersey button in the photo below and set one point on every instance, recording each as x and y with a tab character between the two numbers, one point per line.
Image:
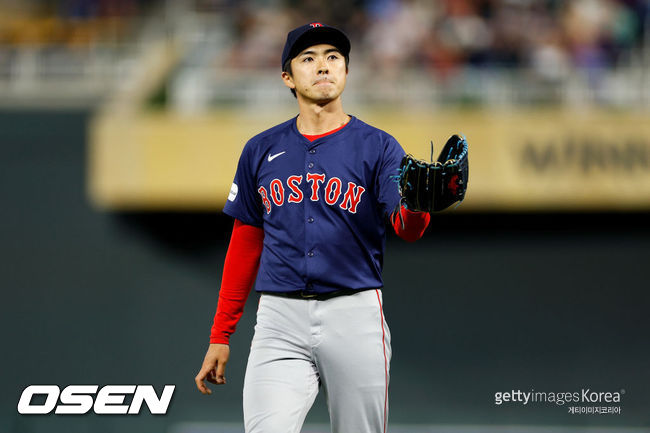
310	220
310	286
311	165
312	151
310	254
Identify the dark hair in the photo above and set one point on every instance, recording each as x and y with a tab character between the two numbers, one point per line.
287	68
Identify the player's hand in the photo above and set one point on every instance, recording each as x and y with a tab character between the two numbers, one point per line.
213	368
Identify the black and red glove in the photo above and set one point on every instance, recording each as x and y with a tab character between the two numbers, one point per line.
434	186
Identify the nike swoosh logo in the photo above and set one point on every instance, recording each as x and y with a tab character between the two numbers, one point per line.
272	157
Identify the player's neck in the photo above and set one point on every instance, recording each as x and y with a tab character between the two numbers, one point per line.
317	119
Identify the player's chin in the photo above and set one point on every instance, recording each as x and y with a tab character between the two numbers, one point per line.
324	97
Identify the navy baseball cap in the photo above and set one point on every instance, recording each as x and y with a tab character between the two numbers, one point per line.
313	34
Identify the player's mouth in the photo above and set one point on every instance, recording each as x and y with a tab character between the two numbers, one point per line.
323	81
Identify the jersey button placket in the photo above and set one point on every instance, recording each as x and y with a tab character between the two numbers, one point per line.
309	253
315	328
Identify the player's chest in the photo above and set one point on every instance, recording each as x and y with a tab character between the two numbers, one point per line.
332	175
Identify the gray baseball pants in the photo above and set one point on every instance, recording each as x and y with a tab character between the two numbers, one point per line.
342	343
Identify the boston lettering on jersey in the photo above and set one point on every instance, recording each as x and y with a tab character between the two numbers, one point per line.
333	190
323	205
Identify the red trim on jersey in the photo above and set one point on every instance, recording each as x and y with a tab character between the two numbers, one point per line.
316	180
239	271
415	223
317	136
383	342
352	196
293	182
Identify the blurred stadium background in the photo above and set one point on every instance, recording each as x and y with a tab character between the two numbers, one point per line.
121	122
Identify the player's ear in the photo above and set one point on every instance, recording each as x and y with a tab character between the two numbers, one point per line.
288	80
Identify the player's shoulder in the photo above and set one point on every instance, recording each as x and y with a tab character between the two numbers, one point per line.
258	145
271	134
377	135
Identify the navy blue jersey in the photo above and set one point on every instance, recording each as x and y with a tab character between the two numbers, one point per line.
322	205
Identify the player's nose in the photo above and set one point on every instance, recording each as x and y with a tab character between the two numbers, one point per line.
322	67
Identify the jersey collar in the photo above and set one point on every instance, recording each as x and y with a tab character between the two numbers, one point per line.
311	144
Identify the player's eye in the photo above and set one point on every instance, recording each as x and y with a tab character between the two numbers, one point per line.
333	57
307	59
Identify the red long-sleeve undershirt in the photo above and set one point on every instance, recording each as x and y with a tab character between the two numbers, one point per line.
415	223
239	271
243	259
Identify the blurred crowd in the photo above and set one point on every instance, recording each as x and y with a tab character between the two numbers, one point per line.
548	36
546	41
441	34
67	23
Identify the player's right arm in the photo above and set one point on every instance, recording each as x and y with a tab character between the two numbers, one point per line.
213	368
239	271
409	225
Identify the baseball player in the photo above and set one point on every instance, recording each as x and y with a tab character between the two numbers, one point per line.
310	200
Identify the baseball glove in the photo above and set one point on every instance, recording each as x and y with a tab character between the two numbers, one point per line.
434	186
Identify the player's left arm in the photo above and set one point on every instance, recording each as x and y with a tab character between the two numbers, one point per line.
240	268
408	225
